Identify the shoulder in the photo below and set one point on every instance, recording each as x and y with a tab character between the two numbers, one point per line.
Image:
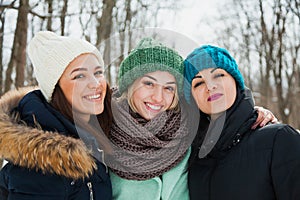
10	100
279	136
35	111
279	130
32	100
31	106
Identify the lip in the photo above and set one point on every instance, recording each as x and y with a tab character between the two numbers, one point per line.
214	97
93	97
153	107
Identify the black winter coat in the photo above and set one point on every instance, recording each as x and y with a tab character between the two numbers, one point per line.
38	175
245	164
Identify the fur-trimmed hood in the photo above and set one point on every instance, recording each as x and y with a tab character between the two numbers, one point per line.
37	149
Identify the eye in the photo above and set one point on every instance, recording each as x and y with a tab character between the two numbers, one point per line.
78	76
170	88
197	84
98	73
148	83
219	75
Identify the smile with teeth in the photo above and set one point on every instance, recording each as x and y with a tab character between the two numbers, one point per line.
154	107
92	97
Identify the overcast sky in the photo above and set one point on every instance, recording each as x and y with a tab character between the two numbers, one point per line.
192	20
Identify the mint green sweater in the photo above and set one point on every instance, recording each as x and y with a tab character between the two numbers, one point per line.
171	186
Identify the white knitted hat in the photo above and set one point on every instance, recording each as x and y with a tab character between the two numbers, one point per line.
50	54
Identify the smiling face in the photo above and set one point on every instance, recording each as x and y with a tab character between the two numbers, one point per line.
84	86
214	90
153	93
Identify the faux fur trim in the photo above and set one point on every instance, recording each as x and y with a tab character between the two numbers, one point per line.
40	150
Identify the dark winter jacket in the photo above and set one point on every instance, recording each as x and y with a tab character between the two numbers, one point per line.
245	164
43	163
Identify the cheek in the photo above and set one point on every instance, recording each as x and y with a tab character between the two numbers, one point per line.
103	86
199	99
196	94
68	90
102	82
230	97
137	97
169	99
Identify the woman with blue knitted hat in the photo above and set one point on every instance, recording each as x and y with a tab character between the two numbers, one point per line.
229	160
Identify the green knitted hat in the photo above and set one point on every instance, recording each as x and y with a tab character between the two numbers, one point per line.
147	57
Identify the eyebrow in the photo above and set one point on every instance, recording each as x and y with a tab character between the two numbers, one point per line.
83	69
199	76
214	69
171	82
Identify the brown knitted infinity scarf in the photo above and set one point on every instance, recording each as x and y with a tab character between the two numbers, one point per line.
146	149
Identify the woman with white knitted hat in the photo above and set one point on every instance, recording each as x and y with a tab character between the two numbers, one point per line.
56	128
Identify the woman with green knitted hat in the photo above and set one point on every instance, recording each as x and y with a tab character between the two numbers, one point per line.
150	132
229	159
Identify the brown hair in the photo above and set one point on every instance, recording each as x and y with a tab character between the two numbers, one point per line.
60	103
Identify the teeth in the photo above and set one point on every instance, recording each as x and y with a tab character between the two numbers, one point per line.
153	107
96	96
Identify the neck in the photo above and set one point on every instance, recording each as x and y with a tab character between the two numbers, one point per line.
216	115
85	118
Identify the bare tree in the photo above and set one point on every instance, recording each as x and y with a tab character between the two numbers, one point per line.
2	21
18	55
50	14
104	30
266	35
63	17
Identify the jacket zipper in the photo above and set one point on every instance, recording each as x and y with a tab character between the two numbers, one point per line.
89	184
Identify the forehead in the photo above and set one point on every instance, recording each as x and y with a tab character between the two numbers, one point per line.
161	76
88	60
210	71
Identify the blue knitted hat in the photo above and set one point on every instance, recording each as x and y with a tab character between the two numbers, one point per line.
208	56
150	56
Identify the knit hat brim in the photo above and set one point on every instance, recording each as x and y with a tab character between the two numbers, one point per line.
147	57
206	57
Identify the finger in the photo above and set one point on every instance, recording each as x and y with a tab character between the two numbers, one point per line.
267	118
275	120
254	126
259	119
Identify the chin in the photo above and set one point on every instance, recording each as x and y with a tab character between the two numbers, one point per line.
99	111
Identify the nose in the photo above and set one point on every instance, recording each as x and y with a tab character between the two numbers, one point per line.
93	83
210	85
157	95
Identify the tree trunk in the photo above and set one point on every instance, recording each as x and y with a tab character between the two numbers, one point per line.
104	30
2	21
63	17
50	13
18	54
